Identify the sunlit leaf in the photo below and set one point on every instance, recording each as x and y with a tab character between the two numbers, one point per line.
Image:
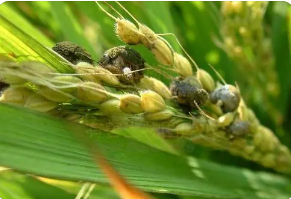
51	149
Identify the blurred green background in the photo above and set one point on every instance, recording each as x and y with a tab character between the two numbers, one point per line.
203	28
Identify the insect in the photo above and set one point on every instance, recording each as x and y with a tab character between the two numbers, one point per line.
227	97
238	129
123	60
188	92
72	52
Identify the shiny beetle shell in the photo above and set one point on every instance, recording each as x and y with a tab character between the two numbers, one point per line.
238	129
72	52
187	91
229	97
125	61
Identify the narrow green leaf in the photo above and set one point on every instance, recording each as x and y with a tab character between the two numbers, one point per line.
281	52
21	46
23	24
70	26
14	185
34	143
147	136
97	191
108	37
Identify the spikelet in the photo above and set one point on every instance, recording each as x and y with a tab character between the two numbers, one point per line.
268	160
36	67
39	103
90	92
111	107
206	80
156	85
182	65
158	116
28	68
66	80
127	32
12	79
9	78
86	72
237	6
225	120
149	36
152	102
248	149
130	103
184	129
258	138
54	94
15	95
227	8
162	53
96	74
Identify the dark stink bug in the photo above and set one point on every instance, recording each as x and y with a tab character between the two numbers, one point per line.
72	52
124	61
188	92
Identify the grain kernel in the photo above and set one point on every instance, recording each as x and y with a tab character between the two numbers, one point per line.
130	103
152	102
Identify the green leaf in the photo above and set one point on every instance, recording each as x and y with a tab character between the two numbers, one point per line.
197	28
70	26
108	37
147	136
281	52
35	143
19	45
100	191
23	24
14	185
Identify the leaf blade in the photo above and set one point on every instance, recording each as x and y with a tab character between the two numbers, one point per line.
59	155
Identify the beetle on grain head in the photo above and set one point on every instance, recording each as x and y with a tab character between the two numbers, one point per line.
123	60
238	129
182	90
188	91
226	96
161	49
72	52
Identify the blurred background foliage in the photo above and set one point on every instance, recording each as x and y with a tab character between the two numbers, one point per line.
247	44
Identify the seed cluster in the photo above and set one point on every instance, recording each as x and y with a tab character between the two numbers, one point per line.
130	34
246	43
114	93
